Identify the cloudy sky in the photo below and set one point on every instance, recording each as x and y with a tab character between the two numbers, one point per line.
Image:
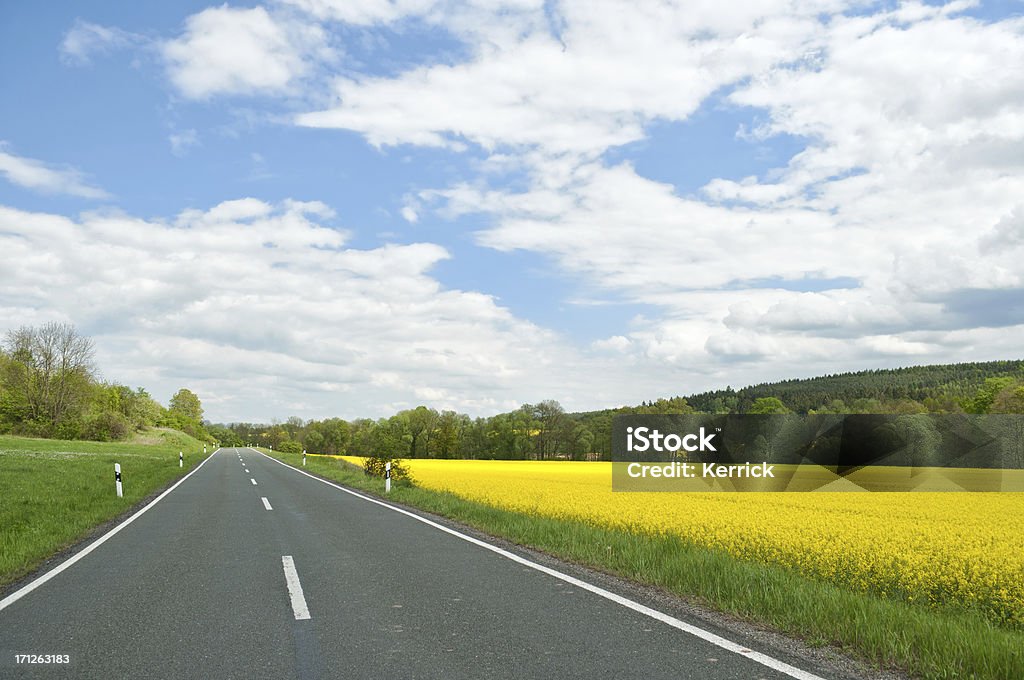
348	207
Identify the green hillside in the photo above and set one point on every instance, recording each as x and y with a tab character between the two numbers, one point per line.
978	387
940	383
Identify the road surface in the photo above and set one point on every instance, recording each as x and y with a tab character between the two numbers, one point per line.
249	569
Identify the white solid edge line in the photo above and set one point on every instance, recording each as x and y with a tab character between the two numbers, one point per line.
696	631
291	577
253	481
29	587
266	503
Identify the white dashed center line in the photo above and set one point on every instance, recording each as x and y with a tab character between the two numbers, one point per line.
291	577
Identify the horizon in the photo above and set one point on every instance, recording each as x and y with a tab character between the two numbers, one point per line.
299	208
277	420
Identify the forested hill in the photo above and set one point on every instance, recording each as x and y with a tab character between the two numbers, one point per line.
983	387
936	388
929	385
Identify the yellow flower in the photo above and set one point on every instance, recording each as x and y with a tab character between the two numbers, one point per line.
935	548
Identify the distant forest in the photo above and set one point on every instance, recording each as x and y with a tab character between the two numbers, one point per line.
939	388
546	431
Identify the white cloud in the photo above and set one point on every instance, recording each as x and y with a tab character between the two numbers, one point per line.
909	179
255	305
409	214
86	39
365	12
590	87
488	22
182	141
226	50
748	190
616	343
1007	234
38	176
885	100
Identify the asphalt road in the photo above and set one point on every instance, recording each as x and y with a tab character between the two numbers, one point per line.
197	587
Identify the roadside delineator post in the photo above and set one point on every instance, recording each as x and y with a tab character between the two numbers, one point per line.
181	459
117	480
387	477
303	457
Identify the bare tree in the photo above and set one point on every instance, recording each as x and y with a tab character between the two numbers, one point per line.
51	370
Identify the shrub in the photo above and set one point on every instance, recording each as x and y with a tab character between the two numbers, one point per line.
290	446
106	426
374	467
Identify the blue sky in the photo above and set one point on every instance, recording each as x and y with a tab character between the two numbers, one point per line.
319	208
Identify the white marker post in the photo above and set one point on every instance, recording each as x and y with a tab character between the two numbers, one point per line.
117	480
387	477
303	457
181	459
204	449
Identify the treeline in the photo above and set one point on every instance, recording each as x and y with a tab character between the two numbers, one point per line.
49	388
545	431
537	431
939	387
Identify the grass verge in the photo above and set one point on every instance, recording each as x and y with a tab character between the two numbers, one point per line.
53	492
927	643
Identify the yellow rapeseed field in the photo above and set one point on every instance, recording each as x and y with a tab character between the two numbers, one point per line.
925	547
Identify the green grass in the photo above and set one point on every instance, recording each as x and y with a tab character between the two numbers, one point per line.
933	644
53	492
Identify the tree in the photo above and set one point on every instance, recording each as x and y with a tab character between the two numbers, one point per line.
580	441
421	422
185	413
274	436
313	440
768	405
49	373
449	433
550	417
475	440
391	436
336	433
361	441
186	403
1009	400
673	406
506	436
295	426
985	395
226	436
